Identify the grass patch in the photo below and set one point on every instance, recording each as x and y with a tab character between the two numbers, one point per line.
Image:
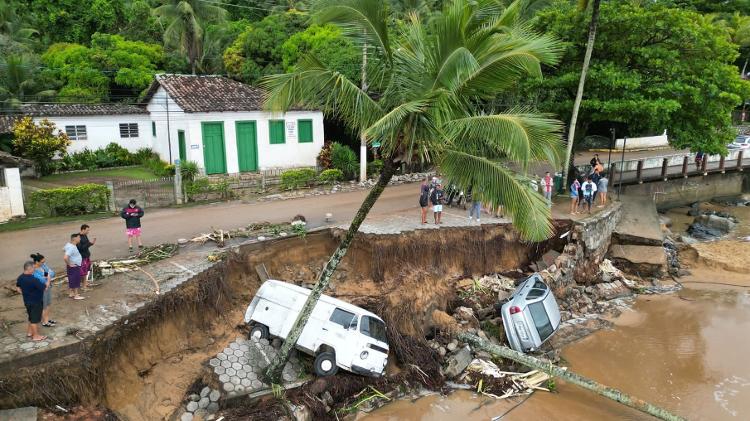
133	173
38	222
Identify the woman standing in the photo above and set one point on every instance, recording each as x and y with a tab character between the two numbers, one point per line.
574	196
424	196
45	275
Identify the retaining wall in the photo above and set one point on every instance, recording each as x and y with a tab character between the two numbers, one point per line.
680	192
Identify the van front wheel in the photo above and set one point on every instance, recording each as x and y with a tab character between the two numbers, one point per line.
259	332
325	364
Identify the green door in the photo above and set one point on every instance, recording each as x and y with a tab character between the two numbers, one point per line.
247	146
213	148
181	141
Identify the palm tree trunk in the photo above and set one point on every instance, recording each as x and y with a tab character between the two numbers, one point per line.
579	95
568	376
273	372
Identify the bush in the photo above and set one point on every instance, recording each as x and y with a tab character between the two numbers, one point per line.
66	201
294	179
324	157
189	170
113	155
330	176
201	188
159	167
343	158
374	168
144	154
39	143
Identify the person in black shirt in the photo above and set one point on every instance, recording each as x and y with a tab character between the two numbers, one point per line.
83	248
594	160
132	214
32	290
437	198
424	196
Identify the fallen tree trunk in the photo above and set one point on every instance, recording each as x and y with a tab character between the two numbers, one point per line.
549	368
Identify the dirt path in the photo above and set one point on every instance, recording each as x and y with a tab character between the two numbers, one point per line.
167	225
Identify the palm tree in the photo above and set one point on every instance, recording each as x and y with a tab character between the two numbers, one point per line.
13	28
184	21
582	5
18	82
432	82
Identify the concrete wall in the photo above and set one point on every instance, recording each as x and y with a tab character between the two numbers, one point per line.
11	195
680	192
660	141
103	130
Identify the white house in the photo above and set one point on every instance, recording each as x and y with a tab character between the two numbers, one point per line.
214	121
219	123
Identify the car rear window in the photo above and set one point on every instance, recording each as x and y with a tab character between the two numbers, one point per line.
343	318
535	293
373	328
541	320
540	285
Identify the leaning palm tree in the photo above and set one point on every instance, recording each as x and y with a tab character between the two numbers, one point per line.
427	106
184	22
582	6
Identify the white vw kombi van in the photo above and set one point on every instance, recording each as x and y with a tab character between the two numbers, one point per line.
337	334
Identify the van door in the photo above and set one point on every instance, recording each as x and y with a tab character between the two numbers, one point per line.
339	332
372	352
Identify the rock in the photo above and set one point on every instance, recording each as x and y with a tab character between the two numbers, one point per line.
214	395
442	351
458	362
200	415
186	416
481	334
195	397
465	314
300	412
192	406
452	346
212	407
203	403
326	398
484	355
276	343
503	295
205	391
549	257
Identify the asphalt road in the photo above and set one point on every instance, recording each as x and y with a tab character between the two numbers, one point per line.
167	224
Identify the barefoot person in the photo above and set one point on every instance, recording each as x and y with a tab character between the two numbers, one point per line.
73	260
45	275
424	196
602	189
83	247
132	214
574	188
33	291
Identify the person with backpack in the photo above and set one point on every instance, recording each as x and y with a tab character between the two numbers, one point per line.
589	190
437	198
574	188
547	185
424	197
132	214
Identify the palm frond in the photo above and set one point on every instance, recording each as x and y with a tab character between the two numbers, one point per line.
498	185
362	20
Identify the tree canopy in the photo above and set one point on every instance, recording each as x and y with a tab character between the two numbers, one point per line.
653	68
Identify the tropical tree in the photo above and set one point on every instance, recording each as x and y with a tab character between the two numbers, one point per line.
16	35
184	22
39	143
20	81
432	83
582	5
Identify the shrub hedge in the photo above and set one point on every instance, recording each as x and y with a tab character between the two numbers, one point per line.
330	176
67	201
294	179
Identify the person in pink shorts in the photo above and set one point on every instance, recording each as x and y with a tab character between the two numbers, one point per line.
132	214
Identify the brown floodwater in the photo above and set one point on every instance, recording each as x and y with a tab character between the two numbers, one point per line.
681	220
687	352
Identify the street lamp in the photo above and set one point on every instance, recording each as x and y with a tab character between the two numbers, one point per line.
611	145
622	164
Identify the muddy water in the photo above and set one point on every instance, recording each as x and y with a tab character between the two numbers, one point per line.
681	220
686	352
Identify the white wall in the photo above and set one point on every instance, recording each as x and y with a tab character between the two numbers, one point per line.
166	113
102	130
287	155
11	196
660	141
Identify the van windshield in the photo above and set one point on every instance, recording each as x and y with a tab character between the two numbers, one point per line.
373	328
541	320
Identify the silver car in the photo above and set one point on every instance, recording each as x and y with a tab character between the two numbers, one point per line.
531	315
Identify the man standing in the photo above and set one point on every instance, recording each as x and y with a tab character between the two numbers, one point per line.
33	292
424	197
437	203
589	190
83	247
132	214
475	207
73	261
547	184
594	160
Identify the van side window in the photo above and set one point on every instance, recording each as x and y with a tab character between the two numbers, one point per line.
343	318
534	293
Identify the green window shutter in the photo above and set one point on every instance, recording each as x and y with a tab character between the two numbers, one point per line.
276	132
153	128
304	131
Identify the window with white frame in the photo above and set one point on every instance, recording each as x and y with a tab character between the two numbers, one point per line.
76	132
128	130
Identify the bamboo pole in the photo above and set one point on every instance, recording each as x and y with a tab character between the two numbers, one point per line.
570	377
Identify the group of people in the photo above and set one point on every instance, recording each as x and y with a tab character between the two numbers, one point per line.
584	190
431	193
35	283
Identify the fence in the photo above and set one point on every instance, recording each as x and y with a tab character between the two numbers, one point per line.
151	193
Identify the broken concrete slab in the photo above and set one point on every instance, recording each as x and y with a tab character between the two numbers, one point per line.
458	362
28	413
640	223
639	260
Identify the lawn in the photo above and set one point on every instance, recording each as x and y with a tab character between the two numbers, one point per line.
37	222
97	177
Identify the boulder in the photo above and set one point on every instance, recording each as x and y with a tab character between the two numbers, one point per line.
466	314
458	362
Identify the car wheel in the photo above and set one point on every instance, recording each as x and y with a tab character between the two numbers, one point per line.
258	332
325	364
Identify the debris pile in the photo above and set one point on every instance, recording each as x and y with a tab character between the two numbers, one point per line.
493	382
103	268
262	231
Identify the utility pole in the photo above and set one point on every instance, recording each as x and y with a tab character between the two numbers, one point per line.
176	162
362	140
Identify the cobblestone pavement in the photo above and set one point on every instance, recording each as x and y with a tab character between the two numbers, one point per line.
240	365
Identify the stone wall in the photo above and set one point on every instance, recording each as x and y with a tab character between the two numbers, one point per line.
680	192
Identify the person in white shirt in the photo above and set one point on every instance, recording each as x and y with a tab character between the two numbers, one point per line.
589	192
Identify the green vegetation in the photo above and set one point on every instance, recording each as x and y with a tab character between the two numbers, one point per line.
39	142
330	176
132	173
294	179
69	201
33	222
344	159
